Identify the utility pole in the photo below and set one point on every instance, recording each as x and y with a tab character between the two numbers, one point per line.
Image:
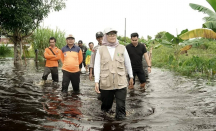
125	31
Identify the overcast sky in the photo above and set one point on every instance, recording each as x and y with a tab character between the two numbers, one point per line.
83	18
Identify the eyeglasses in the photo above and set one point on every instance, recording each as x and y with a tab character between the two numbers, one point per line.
111	34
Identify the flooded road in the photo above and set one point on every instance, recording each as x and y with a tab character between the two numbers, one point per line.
170	103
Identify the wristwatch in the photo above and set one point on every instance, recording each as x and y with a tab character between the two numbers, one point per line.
149	66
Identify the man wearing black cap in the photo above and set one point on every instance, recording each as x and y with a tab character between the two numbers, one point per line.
99	37
84	49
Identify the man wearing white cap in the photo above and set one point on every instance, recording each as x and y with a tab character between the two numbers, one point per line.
71	58
110	63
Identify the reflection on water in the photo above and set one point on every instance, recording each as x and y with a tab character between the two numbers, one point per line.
169	103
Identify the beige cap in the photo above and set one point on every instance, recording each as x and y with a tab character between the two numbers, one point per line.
107	30
70	36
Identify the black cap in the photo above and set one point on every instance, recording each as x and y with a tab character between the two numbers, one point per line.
80	41
99	34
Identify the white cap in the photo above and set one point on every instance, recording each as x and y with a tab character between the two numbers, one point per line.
107	30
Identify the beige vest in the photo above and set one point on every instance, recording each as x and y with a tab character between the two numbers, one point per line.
112	72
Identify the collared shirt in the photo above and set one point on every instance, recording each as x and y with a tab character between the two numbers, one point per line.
136	55
51	59
71	58
111	53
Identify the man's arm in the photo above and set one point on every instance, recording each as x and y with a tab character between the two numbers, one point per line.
80	56
47	55
147	59
58	56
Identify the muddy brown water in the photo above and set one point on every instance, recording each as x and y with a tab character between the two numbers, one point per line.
170	103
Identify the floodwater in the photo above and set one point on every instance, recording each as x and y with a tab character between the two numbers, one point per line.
170	103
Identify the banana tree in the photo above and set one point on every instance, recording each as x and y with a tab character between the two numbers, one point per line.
172	41
203	33
210	20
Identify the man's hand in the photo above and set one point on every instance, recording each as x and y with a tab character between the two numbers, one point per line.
90	76
149	69
131	82
97	87
131	86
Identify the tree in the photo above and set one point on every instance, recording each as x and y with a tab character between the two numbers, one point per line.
149	37
204	33
19	19
160	35
41	38
210	20
173	42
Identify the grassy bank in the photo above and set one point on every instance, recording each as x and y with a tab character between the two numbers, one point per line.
200	61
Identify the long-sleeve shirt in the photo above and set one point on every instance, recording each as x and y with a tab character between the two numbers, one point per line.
111	53
71	58
51	59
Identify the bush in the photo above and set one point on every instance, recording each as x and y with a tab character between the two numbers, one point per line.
4	50
197	63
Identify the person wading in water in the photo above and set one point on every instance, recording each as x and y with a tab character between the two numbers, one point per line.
99	38
136	52
71	57
110	63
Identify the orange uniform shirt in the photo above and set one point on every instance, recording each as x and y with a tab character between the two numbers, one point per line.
51	59
71	58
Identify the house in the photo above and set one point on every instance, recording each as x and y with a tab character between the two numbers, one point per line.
5	40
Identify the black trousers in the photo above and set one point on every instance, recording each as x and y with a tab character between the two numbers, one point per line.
53	71
107	97
68	77
83	62
140	74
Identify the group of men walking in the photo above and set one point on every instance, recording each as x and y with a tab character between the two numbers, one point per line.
107	62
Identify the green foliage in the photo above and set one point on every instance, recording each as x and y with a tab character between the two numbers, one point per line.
172	41
160	35
19	18
122	40
41	38
199	62
23	16
210	20
4	50
201	43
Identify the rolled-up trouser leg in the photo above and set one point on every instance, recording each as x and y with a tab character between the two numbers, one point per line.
54	72
47	71
120	95
75	80
107	97
65	81
141	76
